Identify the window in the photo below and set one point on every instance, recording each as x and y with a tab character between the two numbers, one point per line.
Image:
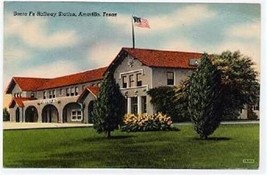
131	80
143	98
67	91
170	78
134	105
54	93
76	90
18	94
76	115
60	91
44	95
50	94
138	79
32	95
124	82
72	91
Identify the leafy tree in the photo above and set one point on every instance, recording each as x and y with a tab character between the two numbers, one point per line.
204	99
109	107
171	101
239	82
6	115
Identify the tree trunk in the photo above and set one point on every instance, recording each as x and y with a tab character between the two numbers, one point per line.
109	135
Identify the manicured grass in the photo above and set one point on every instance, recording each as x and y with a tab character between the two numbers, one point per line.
83	147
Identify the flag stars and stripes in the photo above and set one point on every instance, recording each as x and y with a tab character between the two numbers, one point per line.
141	22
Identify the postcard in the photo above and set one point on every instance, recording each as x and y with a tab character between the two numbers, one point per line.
131	85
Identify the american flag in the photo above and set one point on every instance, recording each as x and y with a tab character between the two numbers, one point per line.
141	22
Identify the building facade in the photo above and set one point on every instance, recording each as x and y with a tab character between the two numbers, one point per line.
70	98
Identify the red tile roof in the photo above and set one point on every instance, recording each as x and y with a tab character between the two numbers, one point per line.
34	84
83	77
93	89
161	58
19	101
152	58
90	89
26	83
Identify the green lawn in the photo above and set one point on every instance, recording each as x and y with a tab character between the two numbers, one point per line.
82	147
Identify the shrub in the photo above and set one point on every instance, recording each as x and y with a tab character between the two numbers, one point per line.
6	115
145	122
171	101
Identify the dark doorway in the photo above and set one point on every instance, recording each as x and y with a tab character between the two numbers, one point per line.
17	115
90	111
49	114
31	114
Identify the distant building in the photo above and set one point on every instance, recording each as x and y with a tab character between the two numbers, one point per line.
70	98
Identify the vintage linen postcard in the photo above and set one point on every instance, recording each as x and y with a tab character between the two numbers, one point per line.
137	85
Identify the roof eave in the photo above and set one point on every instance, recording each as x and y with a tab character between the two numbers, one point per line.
169	67
8	89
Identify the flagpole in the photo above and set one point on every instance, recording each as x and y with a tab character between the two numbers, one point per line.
133	34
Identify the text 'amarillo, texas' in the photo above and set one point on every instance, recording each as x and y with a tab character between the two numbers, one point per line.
65	14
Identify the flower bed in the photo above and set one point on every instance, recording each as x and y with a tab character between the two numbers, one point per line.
145	122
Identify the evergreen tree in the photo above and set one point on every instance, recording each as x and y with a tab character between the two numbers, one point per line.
204	98
109	107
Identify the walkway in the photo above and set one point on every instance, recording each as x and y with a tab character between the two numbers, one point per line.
227	122
13	125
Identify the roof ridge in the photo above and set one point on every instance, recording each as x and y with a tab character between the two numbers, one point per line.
32	78
162	50
62	75
79	72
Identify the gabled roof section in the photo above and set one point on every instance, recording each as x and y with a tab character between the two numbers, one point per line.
35	84
90	89
26	83
94	90
19	101
82	77
161	58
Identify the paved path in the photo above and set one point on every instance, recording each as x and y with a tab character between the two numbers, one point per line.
13	125
225	123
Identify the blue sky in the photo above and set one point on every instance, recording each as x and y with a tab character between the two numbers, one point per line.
55	46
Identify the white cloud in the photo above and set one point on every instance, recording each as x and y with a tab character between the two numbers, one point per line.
245	30
247	49
181	44
34	33
16	54
188	16
50	70
234	41
102	53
